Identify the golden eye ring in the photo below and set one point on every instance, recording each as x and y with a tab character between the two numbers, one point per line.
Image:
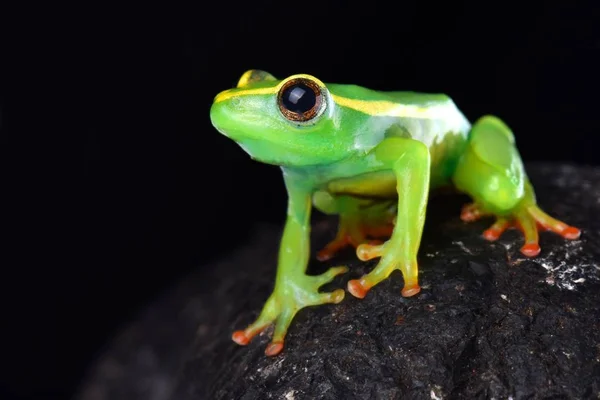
300	99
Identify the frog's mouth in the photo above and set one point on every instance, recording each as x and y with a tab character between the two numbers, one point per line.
260	151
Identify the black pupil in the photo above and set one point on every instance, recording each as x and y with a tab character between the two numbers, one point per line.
299	98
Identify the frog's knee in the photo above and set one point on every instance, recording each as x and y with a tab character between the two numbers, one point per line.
490	168
491	125
418	149
411	149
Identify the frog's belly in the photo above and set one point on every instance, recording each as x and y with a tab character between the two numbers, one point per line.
375	185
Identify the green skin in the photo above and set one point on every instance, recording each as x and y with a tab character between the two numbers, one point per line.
373	165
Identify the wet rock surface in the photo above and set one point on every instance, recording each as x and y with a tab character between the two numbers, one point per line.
489	322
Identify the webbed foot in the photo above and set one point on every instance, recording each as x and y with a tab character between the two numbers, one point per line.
389	262
528	218
291	294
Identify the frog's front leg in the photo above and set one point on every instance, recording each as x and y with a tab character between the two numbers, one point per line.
294	289
409	163
491	171
360	221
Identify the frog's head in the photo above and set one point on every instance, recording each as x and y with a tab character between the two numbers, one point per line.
291	122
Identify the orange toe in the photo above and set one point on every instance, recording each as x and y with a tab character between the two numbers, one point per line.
325	255
240	338
531	249
409	291
571	233
492	234
356	288
274	348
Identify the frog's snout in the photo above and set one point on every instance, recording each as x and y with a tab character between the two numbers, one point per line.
217	114
224	115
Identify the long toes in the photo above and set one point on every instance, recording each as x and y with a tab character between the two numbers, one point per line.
495	231
527	224
335	271
331	249
328	276
266	318
334	297
243	337
325	255
553	224
281	327
366	252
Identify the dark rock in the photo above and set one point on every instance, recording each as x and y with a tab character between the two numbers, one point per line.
489	323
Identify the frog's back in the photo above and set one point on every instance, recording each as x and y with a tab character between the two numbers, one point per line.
430	118
424	116
401	97
419	98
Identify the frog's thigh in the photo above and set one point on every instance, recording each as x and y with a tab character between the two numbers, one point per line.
374	185
490	170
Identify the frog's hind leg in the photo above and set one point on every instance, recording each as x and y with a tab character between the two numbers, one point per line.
491	171
360	221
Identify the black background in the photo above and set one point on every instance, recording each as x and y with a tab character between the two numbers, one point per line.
122	185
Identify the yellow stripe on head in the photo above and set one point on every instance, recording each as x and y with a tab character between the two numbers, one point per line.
383	108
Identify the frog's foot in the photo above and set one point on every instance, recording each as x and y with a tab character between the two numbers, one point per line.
354	234
388	263
529	220
289	297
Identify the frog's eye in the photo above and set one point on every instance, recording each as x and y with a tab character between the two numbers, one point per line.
300	99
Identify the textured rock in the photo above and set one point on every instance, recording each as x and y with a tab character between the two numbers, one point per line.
489	323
